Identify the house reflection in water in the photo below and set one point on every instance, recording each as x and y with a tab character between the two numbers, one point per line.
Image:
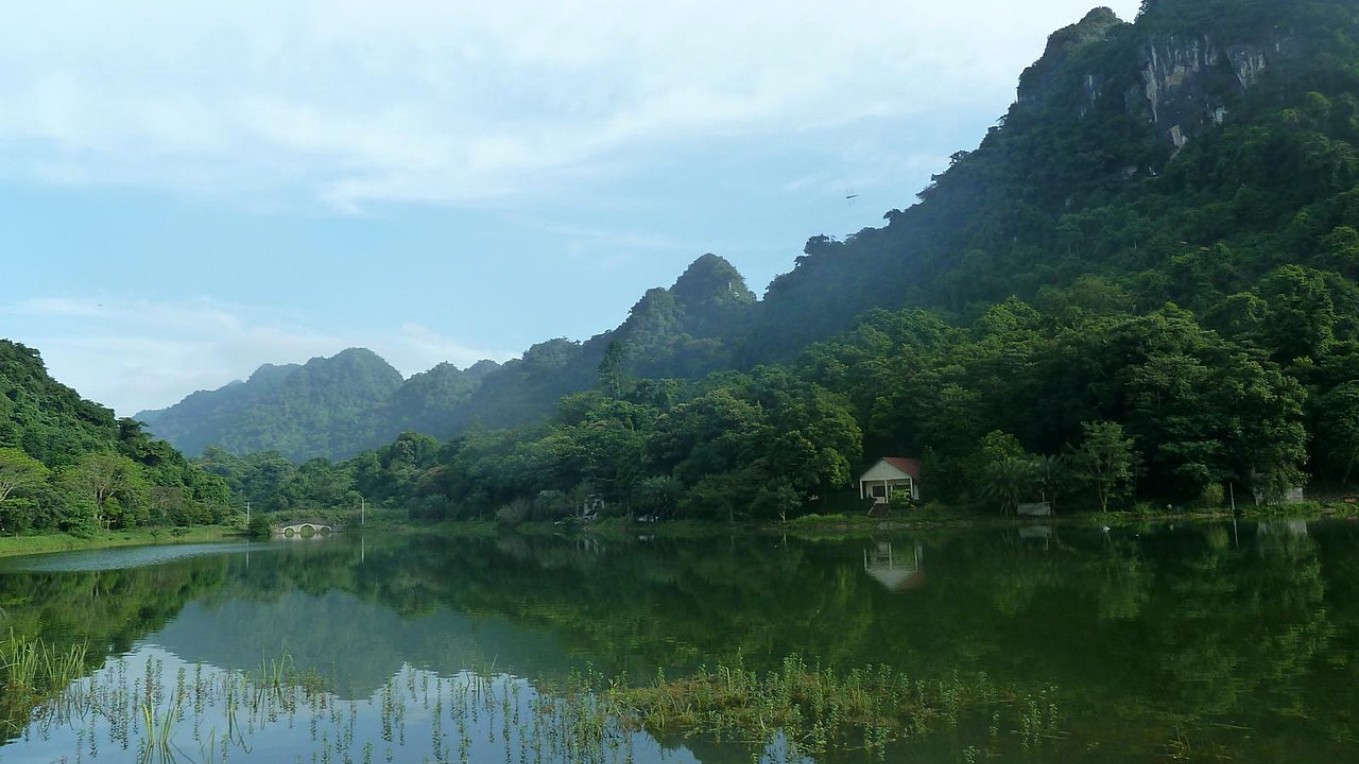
898	568
1282	528
1041	533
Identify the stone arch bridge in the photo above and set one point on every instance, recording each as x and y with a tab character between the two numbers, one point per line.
306	529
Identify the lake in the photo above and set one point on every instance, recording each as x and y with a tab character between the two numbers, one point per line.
1156	643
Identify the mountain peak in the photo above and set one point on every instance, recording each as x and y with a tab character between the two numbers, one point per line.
1094	27
301	411
711	280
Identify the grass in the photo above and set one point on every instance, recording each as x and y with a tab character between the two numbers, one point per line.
60	542
799	708
31	670
811	709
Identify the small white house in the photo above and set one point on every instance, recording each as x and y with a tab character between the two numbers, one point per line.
892	475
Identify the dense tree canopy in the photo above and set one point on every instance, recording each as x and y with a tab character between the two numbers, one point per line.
1139	286
68	464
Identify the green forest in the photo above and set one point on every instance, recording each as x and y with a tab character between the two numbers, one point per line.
67	464
1139	287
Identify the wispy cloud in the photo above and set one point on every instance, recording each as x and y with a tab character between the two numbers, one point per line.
137	355
347	103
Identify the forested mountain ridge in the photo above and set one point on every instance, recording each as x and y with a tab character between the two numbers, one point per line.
1141	283
1181	157
337	407
1202	124
325	407
67	464
208	409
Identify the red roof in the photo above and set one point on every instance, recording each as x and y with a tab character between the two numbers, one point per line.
909	466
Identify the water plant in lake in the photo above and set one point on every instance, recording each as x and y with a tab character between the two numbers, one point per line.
30	669
809	709
160	709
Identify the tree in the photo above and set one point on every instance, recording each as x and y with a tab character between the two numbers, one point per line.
1105	460
1337	425
18	471
1301	316
112	482
656	495
613	368
1006	473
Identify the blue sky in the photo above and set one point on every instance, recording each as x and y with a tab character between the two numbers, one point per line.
190	190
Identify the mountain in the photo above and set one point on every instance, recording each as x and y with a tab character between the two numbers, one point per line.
1141	283
428	402
67	464
1142	154
207	411
355	401
1204	125
321	408
1160	238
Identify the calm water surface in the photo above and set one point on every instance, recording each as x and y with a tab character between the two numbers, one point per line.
1199	643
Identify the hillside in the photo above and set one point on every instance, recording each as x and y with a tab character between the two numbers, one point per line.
320	408
1203	130
1140	284
337	407
67	464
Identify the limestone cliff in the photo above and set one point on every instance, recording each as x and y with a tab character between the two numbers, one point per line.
1182	78
1189	82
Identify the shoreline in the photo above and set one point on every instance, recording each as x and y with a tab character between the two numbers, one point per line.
18	546
807	526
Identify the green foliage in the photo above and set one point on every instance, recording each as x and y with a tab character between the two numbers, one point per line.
20	473
320	408
1337	427
67	463
1105	460
1080	283
260	526
1005	474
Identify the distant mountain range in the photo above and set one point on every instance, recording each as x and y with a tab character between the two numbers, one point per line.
1180	158
354	401
333	407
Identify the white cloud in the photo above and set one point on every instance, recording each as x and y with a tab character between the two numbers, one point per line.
352	102
137	355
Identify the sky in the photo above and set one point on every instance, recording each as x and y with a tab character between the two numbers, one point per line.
191	190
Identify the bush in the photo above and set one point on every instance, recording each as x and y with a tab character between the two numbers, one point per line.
1212	496
260	527
550	505
515	512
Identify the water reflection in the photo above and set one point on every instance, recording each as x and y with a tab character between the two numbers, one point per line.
893	571
1150	634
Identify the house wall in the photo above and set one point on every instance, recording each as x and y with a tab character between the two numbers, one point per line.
883	471
888	489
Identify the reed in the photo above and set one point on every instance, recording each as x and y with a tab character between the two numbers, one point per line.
793	712
807	708
31	671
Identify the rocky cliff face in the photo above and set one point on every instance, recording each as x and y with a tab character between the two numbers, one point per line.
1182	79
1188	82
1046	76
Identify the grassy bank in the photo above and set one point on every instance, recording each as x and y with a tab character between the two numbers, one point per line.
936	516
62	542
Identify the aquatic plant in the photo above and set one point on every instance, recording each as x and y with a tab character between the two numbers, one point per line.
193	713
31	669
809	709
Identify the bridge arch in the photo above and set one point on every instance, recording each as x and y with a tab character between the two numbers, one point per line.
306	529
